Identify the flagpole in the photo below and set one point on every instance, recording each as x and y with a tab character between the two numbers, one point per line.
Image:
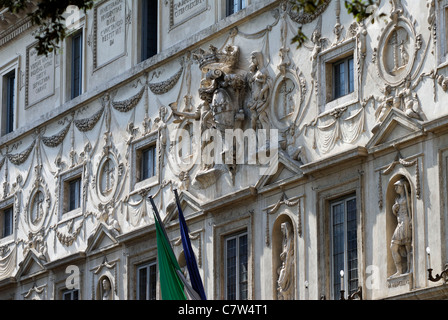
192	294
195	277
156	212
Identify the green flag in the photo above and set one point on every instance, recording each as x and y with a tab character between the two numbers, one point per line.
170	283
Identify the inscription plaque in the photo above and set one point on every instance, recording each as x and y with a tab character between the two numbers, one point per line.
39	76
110	32
183	10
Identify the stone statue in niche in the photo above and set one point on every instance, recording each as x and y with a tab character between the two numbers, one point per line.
401	243
285	282
106	289
258	80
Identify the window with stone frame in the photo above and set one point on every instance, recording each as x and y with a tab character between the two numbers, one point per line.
147	281
344	253
233	6
342	77
8	102
338	77
6	221
149	28
76	64
145	161
71	192
236	266
70	294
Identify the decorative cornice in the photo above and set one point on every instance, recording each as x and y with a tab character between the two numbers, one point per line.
12	32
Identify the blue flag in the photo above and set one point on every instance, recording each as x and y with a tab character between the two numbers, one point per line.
193	271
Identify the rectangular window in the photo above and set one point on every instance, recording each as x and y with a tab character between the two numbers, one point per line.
149	29
70	295
74	194
76	65
146	282
344	245
148	163
236	273
343	77
7	222
234	6
9	81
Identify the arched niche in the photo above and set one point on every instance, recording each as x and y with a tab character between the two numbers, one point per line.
105	288
399	229
283	258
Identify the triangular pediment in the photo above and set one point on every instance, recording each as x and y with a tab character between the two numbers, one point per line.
189	204
102	238
396	127
286	169
31	265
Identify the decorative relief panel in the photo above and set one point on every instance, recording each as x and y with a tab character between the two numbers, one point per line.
287	99
397	49
107	178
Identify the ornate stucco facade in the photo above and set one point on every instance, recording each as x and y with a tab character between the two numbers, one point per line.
353	177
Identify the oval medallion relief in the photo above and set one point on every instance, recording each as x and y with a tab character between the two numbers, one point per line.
107	178
397	49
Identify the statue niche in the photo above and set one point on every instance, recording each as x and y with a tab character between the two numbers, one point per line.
399	226
104	289
283	258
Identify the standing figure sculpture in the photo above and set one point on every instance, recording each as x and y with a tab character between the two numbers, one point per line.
285	283
401	246
259	84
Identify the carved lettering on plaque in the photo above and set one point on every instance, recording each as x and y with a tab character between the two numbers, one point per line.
183	10
39	76
110	32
